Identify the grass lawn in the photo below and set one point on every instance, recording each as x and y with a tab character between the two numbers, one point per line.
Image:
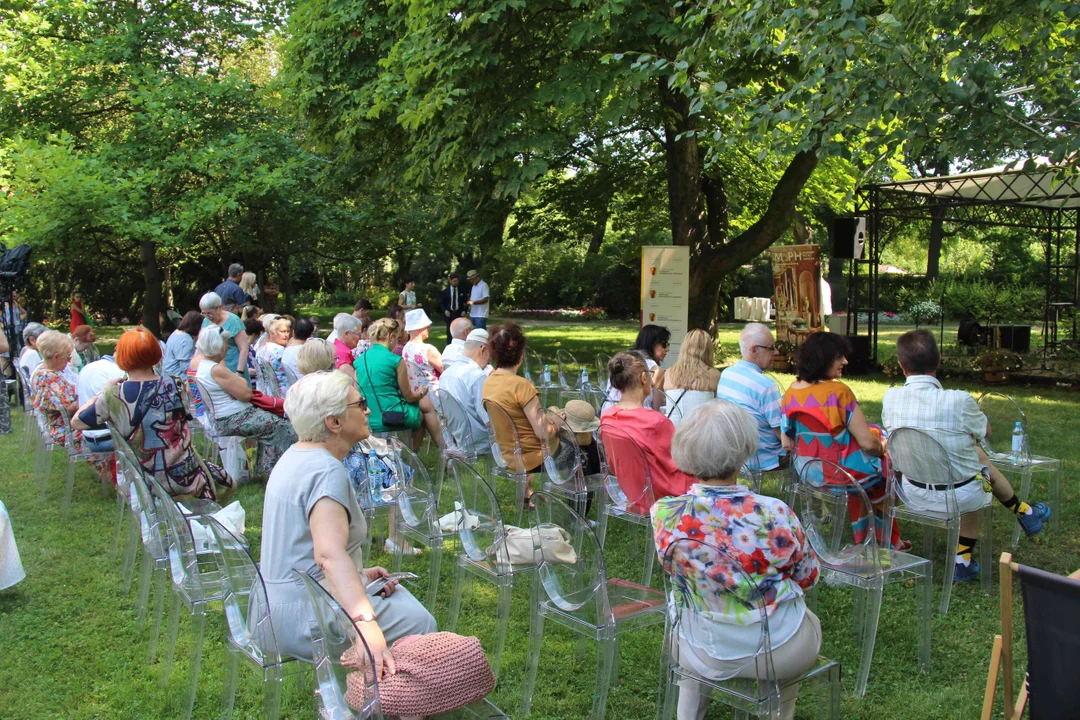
69	648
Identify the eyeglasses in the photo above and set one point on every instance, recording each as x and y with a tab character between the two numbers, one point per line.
665	344
770	348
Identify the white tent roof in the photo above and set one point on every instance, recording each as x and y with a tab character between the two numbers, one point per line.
1040	187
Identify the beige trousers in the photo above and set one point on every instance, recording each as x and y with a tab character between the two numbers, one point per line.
791	659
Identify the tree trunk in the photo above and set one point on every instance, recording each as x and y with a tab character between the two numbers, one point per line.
937	234
152	297
52	297
600	226
286	285
683	165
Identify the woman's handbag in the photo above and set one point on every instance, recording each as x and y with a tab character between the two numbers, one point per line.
519	545
436	673
390	418
269	403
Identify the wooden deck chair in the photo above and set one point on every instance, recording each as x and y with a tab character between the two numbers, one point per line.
1053	648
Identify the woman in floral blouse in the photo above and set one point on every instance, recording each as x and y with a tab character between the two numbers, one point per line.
761	533
52	394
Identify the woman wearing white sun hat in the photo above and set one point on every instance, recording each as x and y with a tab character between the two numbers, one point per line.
425	360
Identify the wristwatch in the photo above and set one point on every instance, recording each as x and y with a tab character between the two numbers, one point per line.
364	617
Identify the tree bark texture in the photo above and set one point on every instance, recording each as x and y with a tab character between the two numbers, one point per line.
152	279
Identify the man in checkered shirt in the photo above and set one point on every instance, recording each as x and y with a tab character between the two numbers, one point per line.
954	420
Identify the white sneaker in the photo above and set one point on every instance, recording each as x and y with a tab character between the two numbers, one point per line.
391	548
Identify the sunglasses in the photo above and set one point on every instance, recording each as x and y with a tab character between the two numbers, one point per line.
361	403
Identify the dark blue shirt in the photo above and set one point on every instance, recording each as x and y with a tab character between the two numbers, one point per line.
231	292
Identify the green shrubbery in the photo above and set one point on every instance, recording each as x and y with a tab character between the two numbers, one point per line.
984	301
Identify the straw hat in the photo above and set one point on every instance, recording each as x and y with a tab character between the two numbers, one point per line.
581	417
471	274
416	320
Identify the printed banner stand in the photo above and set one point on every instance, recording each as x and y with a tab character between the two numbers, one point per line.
665	292
797	285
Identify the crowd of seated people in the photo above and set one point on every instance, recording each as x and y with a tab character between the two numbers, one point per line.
695	426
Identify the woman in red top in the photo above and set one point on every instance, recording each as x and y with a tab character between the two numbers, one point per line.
649	429
78	312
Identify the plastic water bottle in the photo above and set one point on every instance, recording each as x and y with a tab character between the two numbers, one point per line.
547	374
374	470
584	377
1018	443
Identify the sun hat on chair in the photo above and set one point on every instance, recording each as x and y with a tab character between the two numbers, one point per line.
581	417
416	320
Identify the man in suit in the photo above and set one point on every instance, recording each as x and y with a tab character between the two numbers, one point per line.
452	303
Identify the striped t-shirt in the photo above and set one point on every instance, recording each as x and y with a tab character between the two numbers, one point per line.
747	386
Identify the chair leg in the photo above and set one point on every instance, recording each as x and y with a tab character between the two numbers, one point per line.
1024	494
132	545
832	704
198	619
121	506
953	537
455	604
665	688
924	594
160	582
69	486
433	573
605	660
536	642
873	610
522	491
170	640
502	623
272	694
228	693
1055	497
142	595
650	558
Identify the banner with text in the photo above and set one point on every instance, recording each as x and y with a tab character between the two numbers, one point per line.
797	285
665	292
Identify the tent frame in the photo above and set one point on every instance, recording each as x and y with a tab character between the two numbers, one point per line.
1035	200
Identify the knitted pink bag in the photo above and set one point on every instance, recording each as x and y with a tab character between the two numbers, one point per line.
436	673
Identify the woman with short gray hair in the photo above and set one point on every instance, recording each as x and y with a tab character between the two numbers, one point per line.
311	521
316	354
760	533
213	313
228	396
30	357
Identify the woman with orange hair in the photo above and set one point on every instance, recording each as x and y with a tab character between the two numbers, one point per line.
148	412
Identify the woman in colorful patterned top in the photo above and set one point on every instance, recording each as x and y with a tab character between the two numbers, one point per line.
821	419
53	395
149	413
762	534
425	360
278	332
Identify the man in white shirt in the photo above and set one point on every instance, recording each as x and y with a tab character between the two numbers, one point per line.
93	378
479	300
954	420
455	351
465	383
30	357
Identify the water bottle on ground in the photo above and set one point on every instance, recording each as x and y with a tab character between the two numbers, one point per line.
584	377
547	374
1017	455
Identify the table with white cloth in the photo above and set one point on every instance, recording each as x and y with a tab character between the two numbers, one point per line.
750	309
11	569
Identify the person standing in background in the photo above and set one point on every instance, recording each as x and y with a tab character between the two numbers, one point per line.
232	295
407	297
451	303
78	312
479	300
250	287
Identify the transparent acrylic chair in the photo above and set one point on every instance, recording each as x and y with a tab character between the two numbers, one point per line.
332	636
581	597
220	442
824	510
602	376
374	497
30	424
545	383
563	474
687	617
628	487
680	403
507	453
570	377
917	456
416	517
196	582
266	379
249	628
484	554
1002	414
75	451
462	437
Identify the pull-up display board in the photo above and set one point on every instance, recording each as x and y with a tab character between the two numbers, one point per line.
665	292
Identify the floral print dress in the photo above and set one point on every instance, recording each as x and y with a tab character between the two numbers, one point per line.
50	393
421	372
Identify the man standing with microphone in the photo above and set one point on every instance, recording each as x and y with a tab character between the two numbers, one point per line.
452	304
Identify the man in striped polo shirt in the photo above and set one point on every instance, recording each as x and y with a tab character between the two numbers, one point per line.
746	384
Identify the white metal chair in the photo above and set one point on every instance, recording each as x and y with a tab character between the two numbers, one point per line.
917	456
863	566
581	596
1003	414
760	697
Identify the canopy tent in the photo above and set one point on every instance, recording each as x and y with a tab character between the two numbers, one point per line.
1043	198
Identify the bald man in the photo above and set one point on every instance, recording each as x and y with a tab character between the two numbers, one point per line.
459	330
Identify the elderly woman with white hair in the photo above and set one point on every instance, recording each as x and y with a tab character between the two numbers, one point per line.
759	532
311	521
278	333
30	357
228	396
347	330
316	355
213	314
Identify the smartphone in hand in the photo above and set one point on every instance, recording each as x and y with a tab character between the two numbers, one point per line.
377	585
